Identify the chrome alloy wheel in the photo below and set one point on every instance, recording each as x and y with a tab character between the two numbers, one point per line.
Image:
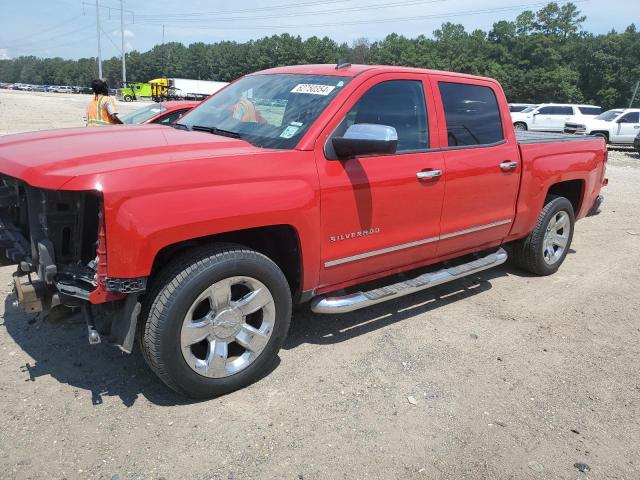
556	237
227	327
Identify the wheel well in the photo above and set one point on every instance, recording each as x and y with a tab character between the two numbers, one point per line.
278	242
571	190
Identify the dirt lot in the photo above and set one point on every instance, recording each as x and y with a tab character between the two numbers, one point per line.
27	111
513	376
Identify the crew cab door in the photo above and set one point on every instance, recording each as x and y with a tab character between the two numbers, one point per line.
626	128
482	163
376	213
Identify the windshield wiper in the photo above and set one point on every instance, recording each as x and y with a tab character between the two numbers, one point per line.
216	131
180	126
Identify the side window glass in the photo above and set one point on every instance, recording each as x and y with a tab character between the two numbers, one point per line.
564	111
632	117
546	111
472	114
170	118
397	103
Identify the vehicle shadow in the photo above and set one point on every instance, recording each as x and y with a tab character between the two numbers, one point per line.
62	351
307	327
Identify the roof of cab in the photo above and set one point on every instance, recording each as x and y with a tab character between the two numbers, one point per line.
354	70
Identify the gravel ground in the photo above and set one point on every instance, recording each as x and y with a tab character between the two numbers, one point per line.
499	376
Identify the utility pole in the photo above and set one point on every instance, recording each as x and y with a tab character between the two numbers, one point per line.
98	29
635	90
163	34
124	65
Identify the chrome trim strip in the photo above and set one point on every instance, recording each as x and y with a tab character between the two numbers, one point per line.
395	248
382	251
474	229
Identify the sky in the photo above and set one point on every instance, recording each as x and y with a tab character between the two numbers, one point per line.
67	28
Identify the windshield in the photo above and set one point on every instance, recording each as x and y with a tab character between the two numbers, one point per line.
528	109
143	114
609	115
271	111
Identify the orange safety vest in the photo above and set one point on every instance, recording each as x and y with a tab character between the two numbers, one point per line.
245	111
97	113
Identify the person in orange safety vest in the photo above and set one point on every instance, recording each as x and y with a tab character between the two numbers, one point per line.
102	109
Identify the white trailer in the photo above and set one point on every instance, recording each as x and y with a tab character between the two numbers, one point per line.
186	88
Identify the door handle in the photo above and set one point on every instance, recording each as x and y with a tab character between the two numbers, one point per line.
429	174
505	166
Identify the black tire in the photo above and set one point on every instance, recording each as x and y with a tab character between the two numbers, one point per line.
128	98
602	135
528	253
177	287
520	126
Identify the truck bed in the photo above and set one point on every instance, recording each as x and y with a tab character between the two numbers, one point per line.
528	137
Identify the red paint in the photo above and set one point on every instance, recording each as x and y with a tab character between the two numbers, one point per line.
162	186
172	106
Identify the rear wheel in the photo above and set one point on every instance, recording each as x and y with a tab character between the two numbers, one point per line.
216	321
520	127
546	247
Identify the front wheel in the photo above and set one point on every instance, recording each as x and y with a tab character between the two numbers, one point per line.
546	247
128	98
520	127
216	321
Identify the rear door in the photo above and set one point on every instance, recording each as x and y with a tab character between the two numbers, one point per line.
381	213
482	164
552	118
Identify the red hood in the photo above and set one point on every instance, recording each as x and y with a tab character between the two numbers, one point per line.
49	159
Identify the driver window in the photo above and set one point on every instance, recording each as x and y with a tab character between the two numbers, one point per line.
631	117
397	103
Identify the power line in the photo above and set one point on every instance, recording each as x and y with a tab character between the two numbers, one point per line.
20	41
404	3
377	21
245	10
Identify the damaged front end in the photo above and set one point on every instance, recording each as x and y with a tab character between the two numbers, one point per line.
57	239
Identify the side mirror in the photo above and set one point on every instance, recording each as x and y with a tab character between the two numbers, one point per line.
366	139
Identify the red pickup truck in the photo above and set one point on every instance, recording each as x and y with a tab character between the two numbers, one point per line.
291	185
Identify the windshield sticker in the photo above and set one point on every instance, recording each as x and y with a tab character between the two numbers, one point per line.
289	132
313	89
340	84
296	124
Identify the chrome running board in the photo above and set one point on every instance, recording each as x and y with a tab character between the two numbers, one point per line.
355	301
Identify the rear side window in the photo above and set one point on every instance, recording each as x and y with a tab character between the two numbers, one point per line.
562	111
590	110
556	111
472	114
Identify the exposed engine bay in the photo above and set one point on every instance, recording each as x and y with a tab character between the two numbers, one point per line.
57	241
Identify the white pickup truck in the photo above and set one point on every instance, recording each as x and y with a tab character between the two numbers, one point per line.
615	126
551	117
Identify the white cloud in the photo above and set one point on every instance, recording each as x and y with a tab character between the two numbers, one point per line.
127	33
4	54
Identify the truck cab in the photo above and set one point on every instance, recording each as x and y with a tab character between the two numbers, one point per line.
309	184
618	126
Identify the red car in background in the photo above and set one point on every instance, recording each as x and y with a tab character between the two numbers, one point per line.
164	113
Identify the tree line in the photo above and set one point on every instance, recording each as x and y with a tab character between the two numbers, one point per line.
542	56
